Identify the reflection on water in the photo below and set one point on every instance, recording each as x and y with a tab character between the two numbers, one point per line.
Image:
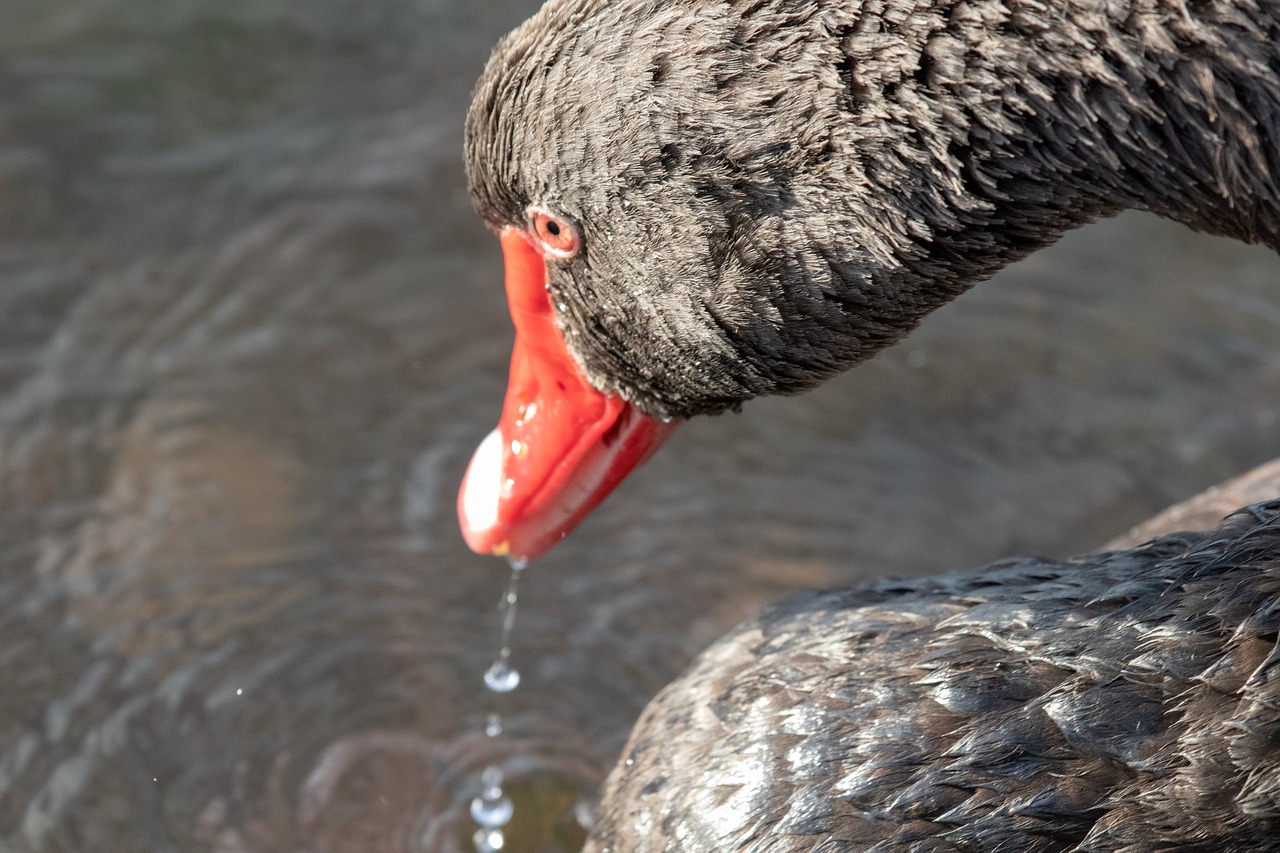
250	332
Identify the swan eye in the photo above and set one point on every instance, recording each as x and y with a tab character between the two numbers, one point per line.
557	236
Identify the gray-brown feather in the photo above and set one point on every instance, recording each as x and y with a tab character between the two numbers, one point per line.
774	190
1128	701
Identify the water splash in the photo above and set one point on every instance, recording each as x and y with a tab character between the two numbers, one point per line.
492	809
489	840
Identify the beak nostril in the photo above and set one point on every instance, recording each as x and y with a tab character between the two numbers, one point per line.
609	436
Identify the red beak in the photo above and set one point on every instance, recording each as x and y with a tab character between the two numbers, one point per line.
561	446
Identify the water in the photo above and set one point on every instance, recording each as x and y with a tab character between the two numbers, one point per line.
492	809
501	676
251	332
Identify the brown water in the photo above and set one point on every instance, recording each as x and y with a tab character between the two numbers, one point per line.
250	332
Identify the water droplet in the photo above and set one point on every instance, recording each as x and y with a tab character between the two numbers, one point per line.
507	485
488	840
501	677
584	812
517	564
492	813
493	727
491	778
666	419
518	447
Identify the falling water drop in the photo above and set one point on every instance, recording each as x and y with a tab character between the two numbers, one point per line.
493	727
492	814
501	677
584	812
488	840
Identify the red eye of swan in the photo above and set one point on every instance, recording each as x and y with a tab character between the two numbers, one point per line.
556	236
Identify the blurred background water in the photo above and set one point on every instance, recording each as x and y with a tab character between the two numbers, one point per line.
250	332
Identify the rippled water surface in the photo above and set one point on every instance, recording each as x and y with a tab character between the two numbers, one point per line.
250	332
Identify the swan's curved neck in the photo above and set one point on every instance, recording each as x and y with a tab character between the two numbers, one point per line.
1162	105
986	129
1188	107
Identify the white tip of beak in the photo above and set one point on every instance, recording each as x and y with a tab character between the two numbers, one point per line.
481	489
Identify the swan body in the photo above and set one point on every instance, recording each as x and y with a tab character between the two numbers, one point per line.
1125	701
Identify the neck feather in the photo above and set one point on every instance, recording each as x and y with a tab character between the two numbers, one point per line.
986	130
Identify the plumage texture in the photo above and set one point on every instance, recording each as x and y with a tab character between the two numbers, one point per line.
773	190
1126	701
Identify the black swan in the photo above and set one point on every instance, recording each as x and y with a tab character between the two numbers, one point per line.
701	202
